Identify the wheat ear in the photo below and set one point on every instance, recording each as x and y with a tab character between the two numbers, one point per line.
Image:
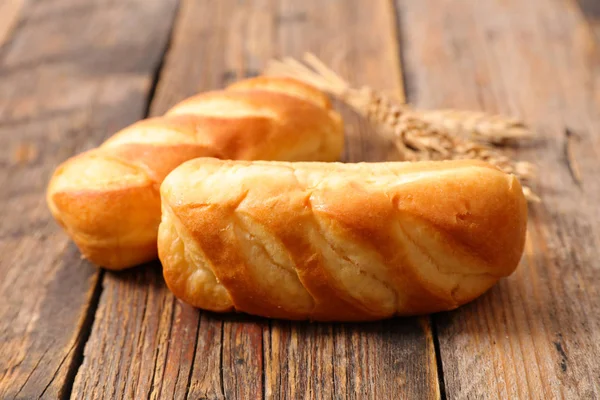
418	135
495	129
481	126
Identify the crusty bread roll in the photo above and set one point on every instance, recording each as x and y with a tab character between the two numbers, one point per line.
333	241
108	198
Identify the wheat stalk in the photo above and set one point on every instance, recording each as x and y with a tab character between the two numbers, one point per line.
419	135
495	129
481	126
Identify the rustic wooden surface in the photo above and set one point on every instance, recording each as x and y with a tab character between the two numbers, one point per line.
534	334
246	357
72	73
64	84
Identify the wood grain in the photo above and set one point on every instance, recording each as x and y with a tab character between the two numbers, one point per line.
537	334
201	355
65	82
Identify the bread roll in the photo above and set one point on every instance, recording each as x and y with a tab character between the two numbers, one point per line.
333	241
108	198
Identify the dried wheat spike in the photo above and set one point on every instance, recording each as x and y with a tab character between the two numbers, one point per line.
484	127
495	129
417	140
417	134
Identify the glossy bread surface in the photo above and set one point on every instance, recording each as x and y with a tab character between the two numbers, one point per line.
332	241
107	199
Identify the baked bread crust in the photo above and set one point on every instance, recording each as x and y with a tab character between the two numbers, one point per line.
107	199
332	241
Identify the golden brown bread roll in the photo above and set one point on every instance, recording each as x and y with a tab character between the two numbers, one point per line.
107	199
332	241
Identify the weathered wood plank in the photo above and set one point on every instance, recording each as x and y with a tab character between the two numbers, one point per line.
242	357
232	356
66	80
536	334
300	360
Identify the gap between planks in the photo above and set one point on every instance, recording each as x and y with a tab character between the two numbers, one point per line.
84	335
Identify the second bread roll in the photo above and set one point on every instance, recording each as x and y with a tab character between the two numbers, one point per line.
107	199
331	241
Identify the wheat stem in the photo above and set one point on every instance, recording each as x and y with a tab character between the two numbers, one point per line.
494	129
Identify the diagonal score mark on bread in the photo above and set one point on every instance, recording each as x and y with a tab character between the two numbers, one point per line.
449	288
303	92
230	104
366	241
194	270
286	111
270	265
96	195
97	170
353	269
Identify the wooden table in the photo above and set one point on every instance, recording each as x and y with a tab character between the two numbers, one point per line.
73	72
